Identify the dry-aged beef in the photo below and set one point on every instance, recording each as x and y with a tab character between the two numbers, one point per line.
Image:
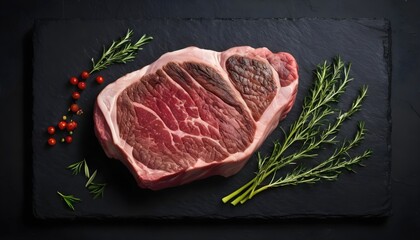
195	113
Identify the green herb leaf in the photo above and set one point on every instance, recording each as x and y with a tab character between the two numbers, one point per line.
121	51
70	200
87	174
91	178
311	131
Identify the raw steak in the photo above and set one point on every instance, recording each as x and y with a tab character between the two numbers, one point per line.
195	113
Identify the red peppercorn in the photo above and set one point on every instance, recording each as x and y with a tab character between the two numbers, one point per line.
62	125
81	85
84	75
74	81
68	139
99	79
51	130
52	141
75	95
71	126
74	107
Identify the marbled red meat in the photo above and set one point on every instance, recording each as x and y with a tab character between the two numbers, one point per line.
195	113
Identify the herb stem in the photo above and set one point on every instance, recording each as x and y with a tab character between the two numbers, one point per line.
121	51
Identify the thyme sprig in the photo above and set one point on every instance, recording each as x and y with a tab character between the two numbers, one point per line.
310	131
121	51
70	200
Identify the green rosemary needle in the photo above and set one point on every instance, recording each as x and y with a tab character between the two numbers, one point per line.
90	179
310	132
70	200
121	51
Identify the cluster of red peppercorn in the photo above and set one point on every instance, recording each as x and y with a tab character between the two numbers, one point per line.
70	125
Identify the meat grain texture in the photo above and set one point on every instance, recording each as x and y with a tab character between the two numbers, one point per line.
195	113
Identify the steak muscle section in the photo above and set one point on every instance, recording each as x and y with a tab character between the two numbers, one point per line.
195	113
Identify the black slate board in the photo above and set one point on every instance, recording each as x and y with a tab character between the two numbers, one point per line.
64	48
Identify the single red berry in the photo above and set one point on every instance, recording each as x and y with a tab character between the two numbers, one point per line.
75	95
74	107
62	125
51	130
81	85
51	141
84	75
68	139
99	79
74	81
71	126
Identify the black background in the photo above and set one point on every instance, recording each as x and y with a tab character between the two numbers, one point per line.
17	222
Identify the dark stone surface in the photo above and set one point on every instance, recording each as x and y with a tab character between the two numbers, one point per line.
362	42
17	220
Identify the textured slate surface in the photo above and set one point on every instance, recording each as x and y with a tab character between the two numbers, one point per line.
63	49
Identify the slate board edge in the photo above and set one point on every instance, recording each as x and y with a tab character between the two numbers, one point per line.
388	59
381	213
46	20
35	28
378	213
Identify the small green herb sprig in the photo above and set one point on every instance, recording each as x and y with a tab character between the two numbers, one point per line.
77	167
70	200
311	131
121	51
96	189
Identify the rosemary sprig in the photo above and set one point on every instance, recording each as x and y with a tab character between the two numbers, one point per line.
76	167
96	189
311	132
326	170
70	200
121	51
